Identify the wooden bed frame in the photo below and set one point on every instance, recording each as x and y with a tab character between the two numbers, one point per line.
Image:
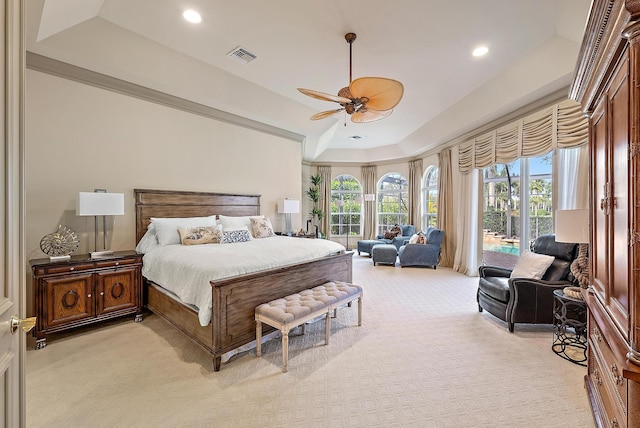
234	299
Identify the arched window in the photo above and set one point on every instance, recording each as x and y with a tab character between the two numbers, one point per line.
430	197
393	201
346	206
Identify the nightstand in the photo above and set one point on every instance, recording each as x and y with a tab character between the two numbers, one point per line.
308	235
83	291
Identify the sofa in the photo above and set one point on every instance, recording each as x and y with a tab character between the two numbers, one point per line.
527	300
407	231
427	254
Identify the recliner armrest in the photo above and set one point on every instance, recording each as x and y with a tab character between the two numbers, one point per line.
486	271
519	283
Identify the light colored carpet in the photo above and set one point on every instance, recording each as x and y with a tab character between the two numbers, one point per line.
424	357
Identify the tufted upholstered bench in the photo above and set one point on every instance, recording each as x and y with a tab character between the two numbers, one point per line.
296	309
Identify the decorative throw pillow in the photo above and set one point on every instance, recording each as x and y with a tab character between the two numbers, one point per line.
230	236
167	228
532	265
261	228
200	235
418	238
395	231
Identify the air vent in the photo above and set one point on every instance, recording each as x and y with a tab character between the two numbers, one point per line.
241	54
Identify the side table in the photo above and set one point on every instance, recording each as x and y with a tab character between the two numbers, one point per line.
569	328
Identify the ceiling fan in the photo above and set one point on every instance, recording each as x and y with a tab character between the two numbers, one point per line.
366	99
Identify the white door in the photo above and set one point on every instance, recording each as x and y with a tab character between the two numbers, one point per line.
12	254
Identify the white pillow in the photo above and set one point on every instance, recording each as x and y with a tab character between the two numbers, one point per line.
532	265
237	222
167	228
149	240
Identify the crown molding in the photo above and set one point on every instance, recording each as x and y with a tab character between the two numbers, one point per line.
68	71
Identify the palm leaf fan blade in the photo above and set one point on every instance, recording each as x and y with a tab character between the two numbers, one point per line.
382	93
324	114
324	97
369	115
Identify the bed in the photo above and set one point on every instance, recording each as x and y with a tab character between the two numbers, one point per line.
233	299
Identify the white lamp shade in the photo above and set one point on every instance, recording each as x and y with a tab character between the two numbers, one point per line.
572	226
288	206
96	204
370	197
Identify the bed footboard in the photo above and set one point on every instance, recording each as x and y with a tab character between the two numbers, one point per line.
235	299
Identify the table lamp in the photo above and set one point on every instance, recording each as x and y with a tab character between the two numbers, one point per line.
100	203
288	207
573	226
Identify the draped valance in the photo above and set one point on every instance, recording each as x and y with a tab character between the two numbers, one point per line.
561	125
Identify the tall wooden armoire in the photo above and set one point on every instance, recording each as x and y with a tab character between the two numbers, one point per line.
607	85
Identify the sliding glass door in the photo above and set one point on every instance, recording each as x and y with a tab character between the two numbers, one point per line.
518	207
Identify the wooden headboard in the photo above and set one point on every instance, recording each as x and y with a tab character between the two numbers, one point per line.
178	203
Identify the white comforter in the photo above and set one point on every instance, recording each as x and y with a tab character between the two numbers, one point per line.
186	270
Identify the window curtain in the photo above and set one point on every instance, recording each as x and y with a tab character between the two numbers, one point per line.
369	178
559	126
573	178
468	254
446	218
415	182
325	191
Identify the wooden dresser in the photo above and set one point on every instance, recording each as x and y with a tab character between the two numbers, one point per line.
607	84
83	291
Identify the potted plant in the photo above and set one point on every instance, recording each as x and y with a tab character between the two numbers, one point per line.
314	195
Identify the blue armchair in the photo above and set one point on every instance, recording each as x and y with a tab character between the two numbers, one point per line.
423	254
407	231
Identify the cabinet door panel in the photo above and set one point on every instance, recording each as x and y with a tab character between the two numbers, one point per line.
600	238
619	258
68	299
116	290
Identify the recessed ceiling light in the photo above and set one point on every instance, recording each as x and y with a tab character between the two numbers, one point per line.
480	51
192	16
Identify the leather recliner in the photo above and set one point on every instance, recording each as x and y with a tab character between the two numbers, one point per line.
526	300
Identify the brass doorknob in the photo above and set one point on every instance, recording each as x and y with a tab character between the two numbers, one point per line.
26	324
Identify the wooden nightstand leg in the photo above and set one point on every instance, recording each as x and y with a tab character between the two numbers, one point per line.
41	343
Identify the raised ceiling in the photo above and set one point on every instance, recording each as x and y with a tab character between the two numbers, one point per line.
425	44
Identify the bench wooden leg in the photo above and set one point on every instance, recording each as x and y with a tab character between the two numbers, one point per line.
285	350
360	310
327	327
258	338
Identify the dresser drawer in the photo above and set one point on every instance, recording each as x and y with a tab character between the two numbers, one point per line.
116	263
70	268
614	416
611	369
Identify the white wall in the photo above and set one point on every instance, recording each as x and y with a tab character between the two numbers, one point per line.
79	137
